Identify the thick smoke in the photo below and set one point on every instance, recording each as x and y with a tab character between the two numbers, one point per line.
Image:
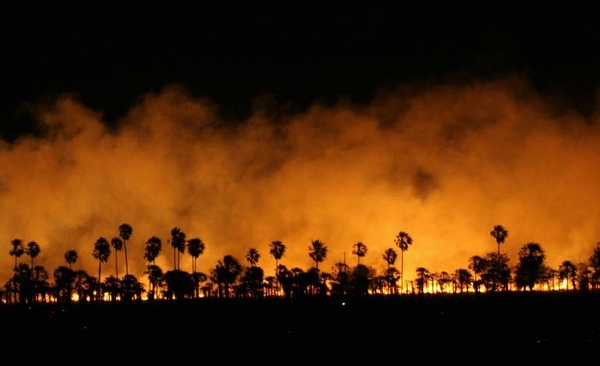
443	163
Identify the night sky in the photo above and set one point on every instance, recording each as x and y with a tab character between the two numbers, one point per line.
299	52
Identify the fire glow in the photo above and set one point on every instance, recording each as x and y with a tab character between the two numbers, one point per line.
444	164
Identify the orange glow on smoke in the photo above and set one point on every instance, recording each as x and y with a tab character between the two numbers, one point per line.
444	164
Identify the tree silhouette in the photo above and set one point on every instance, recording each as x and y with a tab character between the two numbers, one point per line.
85	285
584	276
594	262
497	273
423	277
131	288
567	271
548	276
478	265
390	256
41	287
253	282
195	248
17	250
101	253
178	243
309	282
317	252
277	250
500	234
32	250
225	274
152	249
530	267
113	287
64	283
342	277
403	241
180	284
24	283
285	278
360	278
253	278
359	250
117	244
125	232
155	277
464	278
391	273
252	256
71	257
29	281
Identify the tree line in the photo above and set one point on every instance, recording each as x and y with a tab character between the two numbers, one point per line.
492	272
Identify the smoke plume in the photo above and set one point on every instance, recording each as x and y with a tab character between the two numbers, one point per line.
444	163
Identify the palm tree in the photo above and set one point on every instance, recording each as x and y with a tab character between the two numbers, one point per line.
33	250
125	231
390	256
391	274
71	257
252	256
317	252
403	241
277	250
359	250
153	248
154	272
500	234
17	250
178	244
117	244
101	253
195	248
155	278
423	277
253	278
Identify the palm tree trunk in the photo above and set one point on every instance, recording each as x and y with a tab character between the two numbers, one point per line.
401	272
125	250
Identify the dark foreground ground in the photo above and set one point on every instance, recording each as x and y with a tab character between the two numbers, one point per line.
515	328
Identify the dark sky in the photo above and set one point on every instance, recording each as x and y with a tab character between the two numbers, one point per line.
299	52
